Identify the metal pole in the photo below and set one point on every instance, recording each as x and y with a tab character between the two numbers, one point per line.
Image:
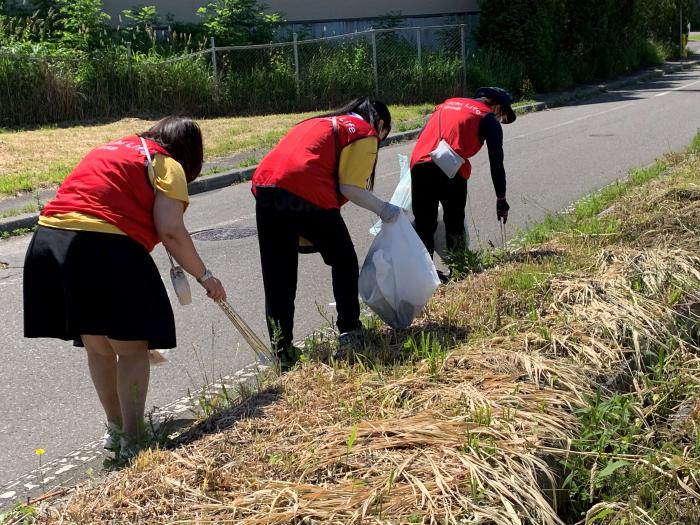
681	32
463	39
296	65
215	72
128	61
420	60
374	63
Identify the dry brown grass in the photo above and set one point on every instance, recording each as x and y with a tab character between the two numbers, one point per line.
41	157
473	436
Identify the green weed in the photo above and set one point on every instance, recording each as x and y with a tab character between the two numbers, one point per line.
20	514
427	347
16	233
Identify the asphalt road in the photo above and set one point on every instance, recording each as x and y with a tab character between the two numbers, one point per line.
552	158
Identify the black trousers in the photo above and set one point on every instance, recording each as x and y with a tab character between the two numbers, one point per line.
281	219
430	186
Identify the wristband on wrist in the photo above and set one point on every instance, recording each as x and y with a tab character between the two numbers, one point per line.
206	276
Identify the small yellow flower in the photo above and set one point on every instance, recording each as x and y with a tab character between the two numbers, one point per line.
39	451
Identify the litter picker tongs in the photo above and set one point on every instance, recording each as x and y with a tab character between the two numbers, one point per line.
263	353
503	233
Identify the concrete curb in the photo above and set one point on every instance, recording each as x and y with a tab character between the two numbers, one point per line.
26	220
237	175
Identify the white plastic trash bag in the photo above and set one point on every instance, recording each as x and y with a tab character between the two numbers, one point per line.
402	198
402	193
398	276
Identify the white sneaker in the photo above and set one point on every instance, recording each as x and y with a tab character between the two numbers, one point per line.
109	440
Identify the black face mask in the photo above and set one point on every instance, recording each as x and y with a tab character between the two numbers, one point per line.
388	130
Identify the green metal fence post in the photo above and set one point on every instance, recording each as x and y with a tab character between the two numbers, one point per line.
296	65
374	63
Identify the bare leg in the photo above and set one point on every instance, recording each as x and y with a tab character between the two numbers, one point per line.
102	362
133	371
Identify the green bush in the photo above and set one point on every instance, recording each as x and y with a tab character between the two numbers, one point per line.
63	64
493	68
260	86
35	90
530	31
335	73
563	41
180	86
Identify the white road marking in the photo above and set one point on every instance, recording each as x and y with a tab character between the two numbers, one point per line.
65	469
679	88
686	85
585	117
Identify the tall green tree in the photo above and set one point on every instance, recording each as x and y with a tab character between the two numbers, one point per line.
82	24
600	34
138	25
530	31
662	19
237	22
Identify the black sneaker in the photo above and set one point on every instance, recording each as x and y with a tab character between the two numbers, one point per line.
288	358
444	277
348	341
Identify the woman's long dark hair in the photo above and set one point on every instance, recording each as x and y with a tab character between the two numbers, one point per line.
371	111
182	138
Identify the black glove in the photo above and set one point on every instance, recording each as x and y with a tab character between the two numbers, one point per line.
502	209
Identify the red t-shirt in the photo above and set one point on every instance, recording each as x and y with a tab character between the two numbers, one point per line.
305	161
112	184
457	121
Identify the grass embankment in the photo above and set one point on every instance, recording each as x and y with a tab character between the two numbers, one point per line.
557	385
42	157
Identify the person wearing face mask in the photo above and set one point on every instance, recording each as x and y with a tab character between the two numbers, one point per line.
299	187
440	166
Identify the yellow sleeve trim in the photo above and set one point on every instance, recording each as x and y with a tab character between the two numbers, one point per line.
170	178
79	221
357	162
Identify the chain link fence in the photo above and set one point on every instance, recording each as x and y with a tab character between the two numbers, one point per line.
398	65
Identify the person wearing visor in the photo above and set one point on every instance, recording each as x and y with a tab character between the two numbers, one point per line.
440	166
299	187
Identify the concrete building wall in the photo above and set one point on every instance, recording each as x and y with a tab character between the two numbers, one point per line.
315	10
307	10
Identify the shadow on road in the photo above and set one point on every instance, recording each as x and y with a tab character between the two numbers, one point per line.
637	91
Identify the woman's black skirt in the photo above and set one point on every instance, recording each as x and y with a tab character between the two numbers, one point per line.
90	283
